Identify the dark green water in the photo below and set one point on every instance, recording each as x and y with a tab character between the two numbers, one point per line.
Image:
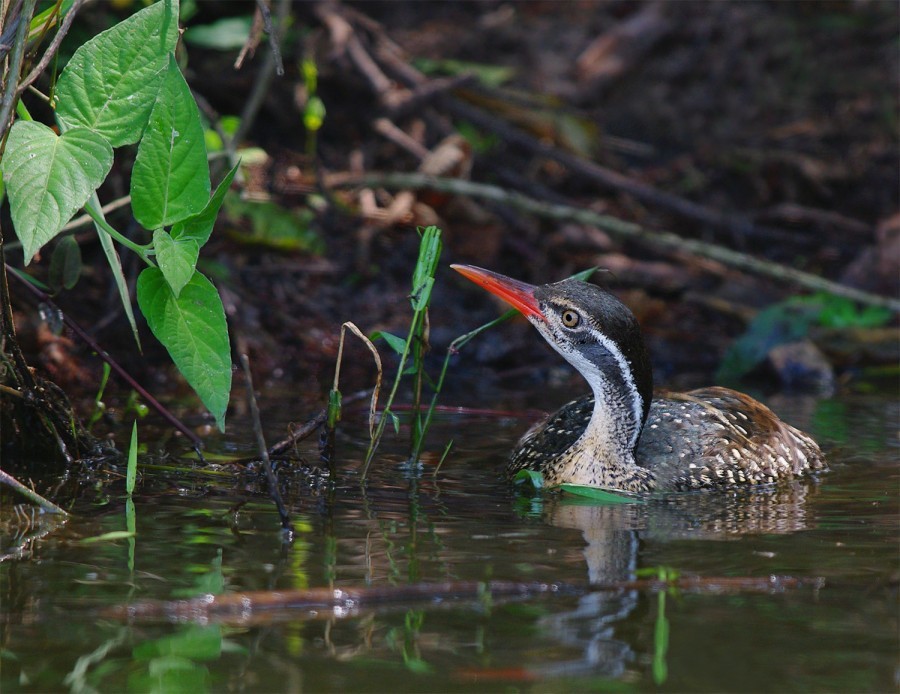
197	532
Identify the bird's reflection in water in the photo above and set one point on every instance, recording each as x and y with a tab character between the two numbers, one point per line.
613	536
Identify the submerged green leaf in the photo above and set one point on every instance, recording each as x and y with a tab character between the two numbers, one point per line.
49	177
194	642
530	478
599	496
192	328
108	537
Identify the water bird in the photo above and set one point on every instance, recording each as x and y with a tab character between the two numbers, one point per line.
622	438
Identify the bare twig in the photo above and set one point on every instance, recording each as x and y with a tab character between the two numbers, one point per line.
345	40
264	78
393	59
273	36
252	42
11	94
52	48
386	128
663	240
310	427
30	494
272	480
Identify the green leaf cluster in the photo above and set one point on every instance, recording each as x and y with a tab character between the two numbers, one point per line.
791	320
124	87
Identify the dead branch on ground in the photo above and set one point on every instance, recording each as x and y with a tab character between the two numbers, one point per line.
661	240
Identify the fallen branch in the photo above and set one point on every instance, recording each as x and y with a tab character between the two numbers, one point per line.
661	240
393	60
30	494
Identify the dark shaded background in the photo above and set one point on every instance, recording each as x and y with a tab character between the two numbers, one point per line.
780	116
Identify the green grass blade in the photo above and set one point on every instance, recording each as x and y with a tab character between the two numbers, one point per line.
131	470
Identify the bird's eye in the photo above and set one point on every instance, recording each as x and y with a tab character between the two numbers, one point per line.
570	318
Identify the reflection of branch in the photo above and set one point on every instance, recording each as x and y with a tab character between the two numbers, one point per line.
662	240
260	606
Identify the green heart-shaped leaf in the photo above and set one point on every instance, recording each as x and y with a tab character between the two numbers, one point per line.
192	328
111	82
65	264
49	177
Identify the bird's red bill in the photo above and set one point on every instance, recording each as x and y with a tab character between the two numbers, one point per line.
519	294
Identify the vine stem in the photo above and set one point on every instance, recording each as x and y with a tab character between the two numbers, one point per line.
142	251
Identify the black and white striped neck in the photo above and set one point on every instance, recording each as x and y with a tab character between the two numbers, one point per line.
600	337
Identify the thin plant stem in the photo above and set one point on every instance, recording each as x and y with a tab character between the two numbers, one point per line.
271	478
422	284
142	251
52	48
379	430
452	349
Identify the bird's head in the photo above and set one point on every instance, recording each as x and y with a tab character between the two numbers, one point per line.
594	331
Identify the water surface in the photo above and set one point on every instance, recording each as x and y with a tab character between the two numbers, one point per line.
199	532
